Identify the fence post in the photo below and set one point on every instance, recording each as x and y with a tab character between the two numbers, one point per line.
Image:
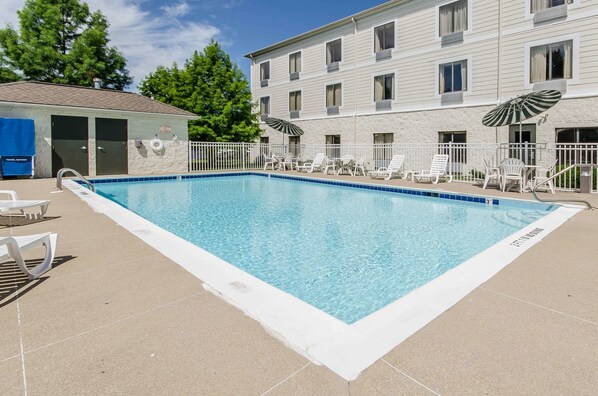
243	154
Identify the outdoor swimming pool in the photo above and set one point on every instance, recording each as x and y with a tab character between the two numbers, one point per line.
346	251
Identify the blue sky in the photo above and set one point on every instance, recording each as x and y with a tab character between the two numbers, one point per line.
153	32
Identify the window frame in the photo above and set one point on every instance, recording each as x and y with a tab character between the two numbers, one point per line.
326	51
461	155
300	52
469	17
269	70
300	101
340	83
530	15
552	40
452	63
468	58
269	101
394	35
394	88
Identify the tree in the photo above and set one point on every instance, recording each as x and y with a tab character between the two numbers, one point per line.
213	87
60	41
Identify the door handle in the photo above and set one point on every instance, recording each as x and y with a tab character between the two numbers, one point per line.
84	148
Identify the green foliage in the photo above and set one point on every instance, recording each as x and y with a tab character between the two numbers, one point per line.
60	41
570	179
215	89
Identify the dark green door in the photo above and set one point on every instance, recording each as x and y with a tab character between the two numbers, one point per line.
69	144
111	147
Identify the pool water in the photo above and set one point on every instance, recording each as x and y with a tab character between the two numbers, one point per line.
347	251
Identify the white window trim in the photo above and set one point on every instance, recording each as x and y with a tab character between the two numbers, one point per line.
468	58
342	50
373	35
289	96
384	73
259	69
528	7
342	83
289	57
270	103
527	56
469	17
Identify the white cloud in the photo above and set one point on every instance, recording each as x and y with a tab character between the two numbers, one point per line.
176	10
146	40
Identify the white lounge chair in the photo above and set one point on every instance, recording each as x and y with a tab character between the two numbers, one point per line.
13	247
394	168
317	164
9	206
437	170
491	173
512	172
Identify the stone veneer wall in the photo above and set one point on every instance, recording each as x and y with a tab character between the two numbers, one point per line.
423	126
172	159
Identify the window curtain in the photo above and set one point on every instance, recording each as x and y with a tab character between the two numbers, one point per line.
329	95
453	17
568	66
265	71
378	39
265	106
328	53
463	75
378	89
539	63
333	51
295	63
337	95
442	81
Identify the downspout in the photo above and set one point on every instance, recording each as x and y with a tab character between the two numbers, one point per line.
355	80
499	71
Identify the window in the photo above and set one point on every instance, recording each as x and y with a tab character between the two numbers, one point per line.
265	105
295	101
539	5
551	61
333	95
453	18
458	150
333	146
295	63
384	37
453	77
384	87
333	51
295	145
568	150
382	149
265	71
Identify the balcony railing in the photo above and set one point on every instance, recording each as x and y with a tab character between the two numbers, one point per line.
466	160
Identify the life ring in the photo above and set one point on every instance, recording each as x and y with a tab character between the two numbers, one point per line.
156	144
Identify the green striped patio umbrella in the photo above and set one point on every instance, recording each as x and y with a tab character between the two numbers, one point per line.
521	108
286	127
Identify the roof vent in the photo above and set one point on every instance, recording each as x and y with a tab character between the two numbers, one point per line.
96	83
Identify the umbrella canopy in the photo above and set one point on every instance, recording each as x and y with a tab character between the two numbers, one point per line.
521	108
284	126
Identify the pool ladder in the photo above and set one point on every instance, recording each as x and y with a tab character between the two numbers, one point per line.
61	173
586	203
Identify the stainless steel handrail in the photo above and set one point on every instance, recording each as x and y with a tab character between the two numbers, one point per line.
61	173
588	205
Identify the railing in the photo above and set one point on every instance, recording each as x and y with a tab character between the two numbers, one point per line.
466	160
61	173
553	177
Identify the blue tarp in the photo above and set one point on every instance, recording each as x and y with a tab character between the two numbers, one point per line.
17	146
17	137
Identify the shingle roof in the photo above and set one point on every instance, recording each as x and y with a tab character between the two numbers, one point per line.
84	97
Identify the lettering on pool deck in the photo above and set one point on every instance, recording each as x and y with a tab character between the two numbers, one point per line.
521	240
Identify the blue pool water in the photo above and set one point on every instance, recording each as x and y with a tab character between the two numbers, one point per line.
345	250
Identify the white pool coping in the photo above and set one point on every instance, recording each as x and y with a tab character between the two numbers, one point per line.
345	349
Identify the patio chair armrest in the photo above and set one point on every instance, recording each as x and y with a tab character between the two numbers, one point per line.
13	194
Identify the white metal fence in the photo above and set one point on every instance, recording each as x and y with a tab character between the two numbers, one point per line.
466	160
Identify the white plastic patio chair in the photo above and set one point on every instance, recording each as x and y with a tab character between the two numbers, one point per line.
512	172
317	164
491	173
394	168
14	247
346	164
270	160
9	206
437	170
359	166
542	175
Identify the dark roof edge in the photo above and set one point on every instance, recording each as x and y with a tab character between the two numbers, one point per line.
190	115
330	26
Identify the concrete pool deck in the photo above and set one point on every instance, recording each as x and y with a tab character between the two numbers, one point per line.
115	316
